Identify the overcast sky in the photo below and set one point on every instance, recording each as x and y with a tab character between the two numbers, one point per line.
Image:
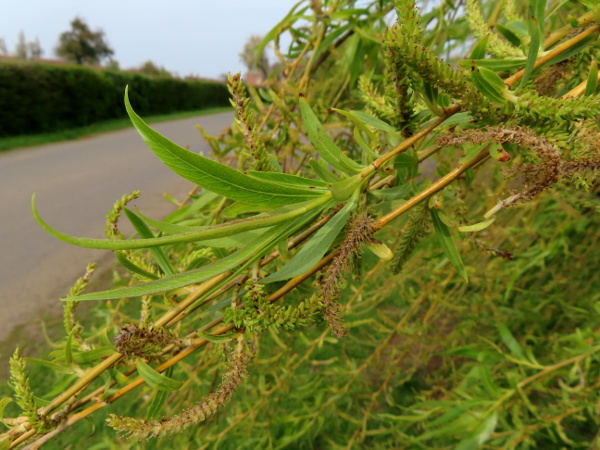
199	37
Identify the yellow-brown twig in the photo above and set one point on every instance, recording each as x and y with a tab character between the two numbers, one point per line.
510	81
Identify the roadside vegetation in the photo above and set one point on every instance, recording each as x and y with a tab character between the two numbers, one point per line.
16	142
404	256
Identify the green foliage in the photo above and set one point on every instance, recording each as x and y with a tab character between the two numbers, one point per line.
371	136
82	45
38	97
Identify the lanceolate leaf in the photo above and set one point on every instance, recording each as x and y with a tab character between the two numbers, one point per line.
217	339
155	379
592	81
245	256
362	118
322	171
213	175
286	22
477	226
145	233
534	48
497	65
323	142
205	233
166	227
508	34
490	84
313	251
160	397
287	179
443	235
134	268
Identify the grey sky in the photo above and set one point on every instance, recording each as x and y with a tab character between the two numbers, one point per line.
201	37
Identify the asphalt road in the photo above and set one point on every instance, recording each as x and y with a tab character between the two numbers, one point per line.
76	183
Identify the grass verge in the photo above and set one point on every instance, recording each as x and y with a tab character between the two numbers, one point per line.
18	142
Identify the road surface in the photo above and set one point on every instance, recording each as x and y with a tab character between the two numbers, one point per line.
76	183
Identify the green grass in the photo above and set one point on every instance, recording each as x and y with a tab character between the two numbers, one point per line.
18	142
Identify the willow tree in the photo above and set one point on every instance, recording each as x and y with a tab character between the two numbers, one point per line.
369	272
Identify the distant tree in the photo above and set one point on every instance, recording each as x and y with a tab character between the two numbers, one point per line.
3	49
21	49
35	49
149	68
248	56
82	45
24	49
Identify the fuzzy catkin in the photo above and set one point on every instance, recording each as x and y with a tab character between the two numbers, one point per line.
359	232
207	407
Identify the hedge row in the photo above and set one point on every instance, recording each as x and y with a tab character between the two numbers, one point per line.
38	97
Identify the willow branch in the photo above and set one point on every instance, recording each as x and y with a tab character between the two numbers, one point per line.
510	81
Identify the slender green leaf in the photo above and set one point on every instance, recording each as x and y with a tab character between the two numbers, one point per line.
537	9
367	152
205	233
68	351
497	65
406	418
373	121
511	342
581	45
480	48
213	175
284	24
204	199
134	267
287	179
477	226
159	399
534	48
471	151
217	339
480	435
395	193
164	226
508	34
445	239
5	401
344	189
485	375
457	119
592	81
322	170
460	426
407	165
245	256
92	356
49	365
490	84
145	233
330	38
155	379
323	142
310	254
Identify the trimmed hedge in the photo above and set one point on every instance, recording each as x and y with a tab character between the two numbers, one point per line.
42	97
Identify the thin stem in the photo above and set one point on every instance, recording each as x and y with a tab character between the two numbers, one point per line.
557	35
407	143
431	190
579	89
510	81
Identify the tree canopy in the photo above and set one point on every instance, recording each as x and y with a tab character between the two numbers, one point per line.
81	45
